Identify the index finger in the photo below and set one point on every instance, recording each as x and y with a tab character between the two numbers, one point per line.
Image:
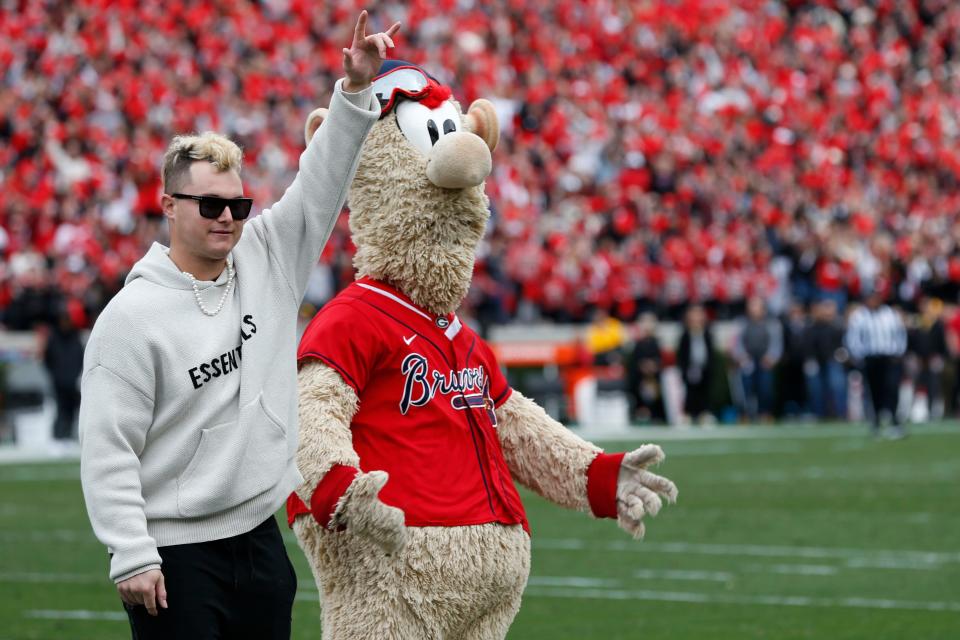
392	30
360	32
150	600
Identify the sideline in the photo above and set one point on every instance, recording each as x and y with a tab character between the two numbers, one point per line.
853	433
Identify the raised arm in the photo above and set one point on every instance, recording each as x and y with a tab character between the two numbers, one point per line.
296	228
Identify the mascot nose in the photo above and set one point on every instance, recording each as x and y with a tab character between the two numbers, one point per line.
459	160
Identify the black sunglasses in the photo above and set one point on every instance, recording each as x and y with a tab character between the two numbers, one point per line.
211	206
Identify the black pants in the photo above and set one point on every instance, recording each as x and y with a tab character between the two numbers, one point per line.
883	380
68	401
235	588
697	399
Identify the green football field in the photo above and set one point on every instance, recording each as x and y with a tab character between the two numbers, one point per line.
780	532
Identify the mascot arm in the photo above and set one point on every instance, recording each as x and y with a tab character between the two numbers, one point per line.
327	406
545	456
549	459
334	491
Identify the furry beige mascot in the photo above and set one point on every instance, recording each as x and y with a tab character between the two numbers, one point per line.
411	439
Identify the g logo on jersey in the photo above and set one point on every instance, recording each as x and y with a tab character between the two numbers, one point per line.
469	387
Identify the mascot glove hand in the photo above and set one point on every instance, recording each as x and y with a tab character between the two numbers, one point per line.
639	491
366	515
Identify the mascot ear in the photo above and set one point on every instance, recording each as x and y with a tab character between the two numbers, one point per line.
314	120
482	120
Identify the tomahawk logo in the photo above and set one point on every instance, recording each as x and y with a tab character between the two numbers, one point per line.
469	385
480	400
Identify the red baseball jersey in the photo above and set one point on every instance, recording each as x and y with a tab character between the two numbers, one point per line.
428	387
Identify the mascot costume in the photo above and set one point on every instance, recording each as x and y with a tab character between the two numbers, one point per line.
411	439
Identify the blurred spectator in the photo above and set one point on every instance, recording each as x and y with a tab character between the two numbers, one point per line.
825	365
33	300
605	338
952	334
877	339
643	367
486	297
63	359
792	384
757	348
927	353
695	359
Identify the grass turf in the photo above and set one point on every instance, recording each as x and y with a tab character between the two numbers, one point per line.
780	532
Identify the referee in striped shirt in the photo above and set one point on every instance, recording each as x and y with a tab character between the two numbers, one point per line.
877	339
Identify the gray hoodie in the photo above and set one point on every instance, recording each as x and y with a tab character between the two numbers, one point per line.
188	423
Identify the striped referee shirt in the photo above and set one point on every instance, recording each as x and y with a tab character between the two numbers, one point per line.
877	332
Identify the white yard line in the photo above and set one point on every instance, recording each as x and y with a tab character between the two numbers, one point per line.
74	614
308	596
685	574
918	517
891	563
704	598
583	588
794	569
646	574
8	510
57	578
935	472
709	598
593	593
49	535
572	581
696	575
733	448
12	454
909	558
854	433
765	551
723	432
846	446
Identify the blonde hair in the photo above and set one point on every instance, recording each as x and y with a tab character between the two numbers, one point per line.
220	151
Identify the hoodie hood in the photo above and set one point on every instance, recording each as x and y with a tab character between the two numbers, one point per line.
156	267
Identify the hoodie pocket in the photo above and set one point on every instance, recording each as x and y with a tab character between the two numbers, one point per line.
234	462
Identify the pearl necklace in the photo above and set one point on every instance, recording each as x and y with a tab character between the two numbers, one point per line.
223	298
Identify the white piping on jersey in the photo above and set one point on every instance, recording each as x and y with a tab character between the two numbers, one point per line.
395	299
451	331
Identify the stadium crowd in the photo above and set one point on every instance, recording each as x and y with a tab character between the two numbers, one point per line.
654	153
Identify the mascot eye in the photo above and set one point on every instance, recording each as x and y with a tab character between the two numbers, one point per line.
424	127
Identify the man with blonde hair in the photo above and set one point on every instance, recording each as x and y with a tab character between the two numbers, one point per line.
188	422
